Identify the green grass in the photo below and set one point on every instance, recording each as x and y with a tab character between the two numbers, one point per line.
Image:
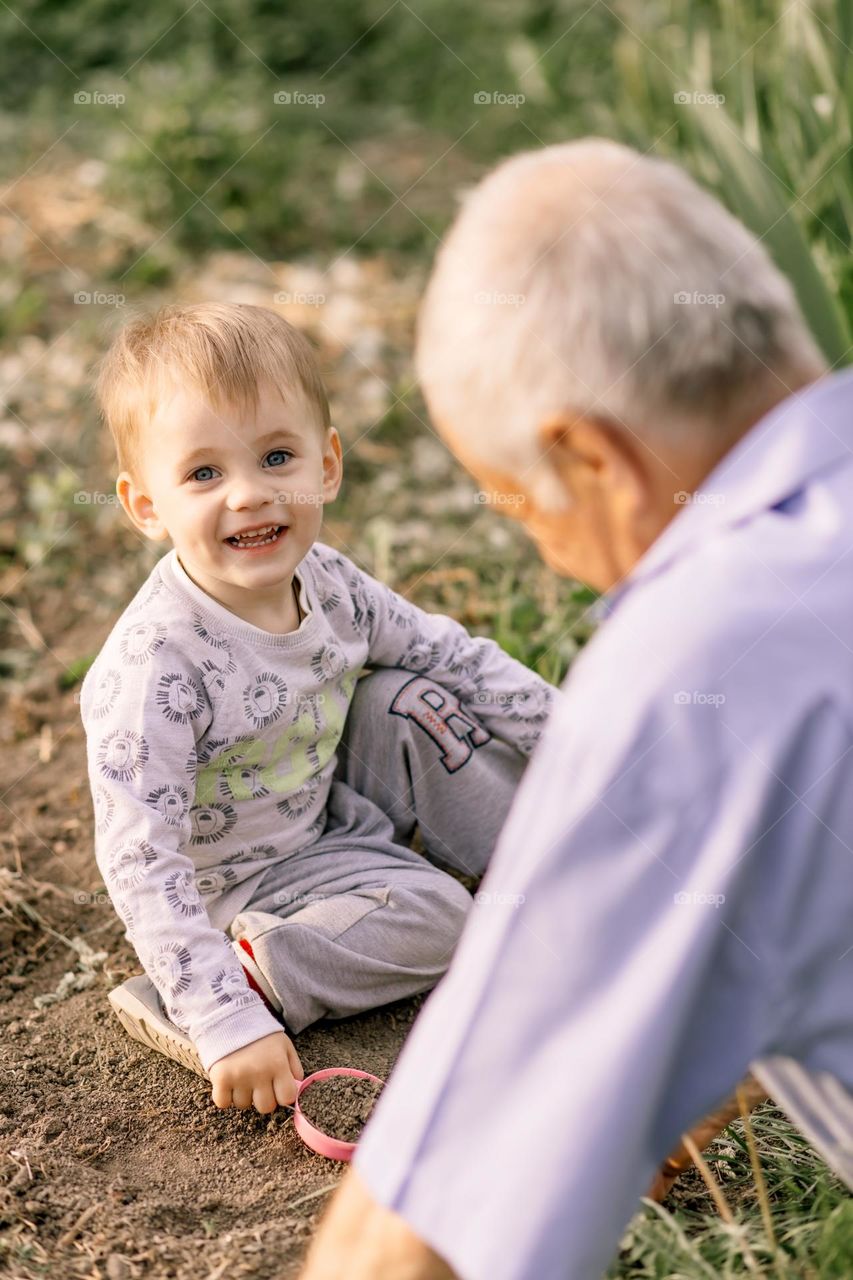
812	1215
775	142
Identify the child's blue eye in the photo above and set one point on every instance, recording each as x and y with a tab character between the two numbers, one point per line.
275	458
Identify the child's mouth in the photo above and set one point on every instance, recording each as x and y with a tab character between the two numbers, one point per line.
262	540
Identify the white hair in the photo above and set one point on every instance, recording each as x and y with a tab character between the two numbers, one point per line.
587	278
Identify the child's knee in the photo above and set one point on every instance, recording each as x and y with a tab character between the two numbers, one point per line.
433	918
375	692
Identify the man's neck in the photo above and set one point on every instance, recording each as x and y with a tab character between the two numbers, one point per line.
686	470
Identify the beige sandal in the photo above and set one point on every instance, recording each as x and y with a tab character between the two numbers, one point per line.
137	1007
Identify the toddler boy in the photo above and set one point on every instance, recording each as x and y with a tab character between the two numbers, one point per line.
242	780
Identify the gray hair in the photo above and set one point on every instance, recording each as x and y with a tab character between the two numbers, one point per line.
591	279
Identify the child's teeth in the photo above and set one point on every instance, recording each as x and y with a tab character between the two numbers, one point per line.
257	539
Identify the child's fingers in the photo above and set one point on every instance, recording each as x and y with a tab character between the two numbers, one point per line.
241	1097
294	1063
285	1090
264	1099
221	1094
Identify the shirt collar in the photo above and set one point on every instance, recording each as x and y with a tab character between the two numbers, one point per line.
808	432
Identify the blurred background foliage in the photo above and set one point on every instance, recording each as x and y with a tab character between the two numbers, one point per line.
167	116
201	145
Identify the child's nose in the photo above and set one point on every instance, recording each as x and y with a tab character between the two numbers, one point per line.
249	491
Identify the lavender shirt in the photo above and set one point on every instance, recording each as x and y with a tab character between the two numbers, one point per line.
671	900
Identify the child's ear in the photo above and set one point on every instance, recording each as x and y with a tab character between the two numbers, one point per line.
139	509
333	465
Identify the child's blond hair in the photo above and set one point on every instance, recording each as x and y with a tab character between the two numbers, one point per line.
222	350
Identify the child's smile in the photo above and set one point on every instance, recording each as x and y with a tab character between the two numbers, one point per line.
256	539
239	492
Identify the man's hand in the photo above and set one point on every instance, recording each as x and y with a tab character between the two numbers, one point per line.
361	1240
264	1073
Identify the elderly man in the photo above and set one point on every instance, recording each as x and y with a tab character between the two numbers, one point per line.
671	899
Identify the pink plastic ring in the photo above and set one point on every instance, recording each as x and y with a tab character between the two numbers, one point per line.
332	1148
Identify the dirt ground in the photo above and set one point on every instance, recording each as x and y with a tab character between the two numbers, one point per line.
114	1160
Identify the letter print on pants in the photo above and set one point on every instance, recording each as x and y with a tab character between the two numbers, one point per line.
439	713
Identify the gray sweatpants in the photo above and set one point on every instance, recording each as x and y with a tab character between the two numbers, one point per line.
357	918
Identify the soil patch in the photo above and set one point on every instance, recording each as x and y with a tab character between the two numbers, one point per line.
340	1107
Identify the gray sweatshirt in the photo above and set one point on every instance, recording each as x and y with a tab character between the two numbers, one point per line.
211	748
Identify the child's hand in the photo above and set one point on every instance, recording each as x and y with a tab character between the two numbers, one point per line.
264	1072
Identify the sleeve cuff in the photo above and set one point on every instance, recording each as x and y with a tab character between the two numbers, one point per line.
235	1032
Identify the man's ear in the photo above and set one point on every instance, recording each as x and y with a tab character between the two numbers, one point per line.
333	465
139	509
593	456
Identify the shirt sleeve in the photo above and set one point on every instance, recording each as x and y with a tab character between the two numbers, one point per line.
510	701
144	709
636	951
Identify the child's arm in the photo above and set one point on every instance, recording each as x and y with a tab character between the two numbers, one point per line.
509	699
143	713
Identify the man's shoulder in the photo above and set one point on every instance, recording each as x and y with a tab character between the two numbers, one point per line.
733	629
755	600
